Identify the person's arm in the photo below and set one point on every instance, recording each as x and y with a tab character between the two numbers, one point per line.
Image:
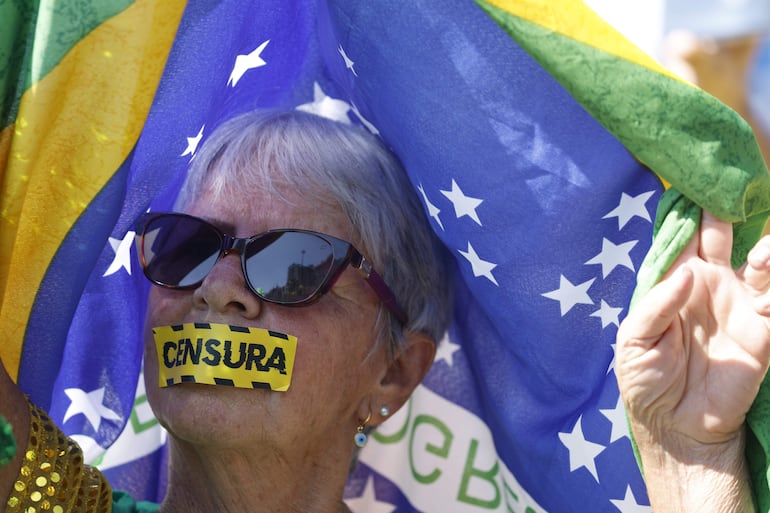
691	357
14	408
44	451
691	476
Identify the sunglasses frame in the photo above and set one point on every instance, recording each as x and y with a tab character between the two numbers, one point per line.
344	254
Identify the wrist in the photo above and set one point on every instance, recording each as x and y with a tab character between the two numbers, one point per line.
685	475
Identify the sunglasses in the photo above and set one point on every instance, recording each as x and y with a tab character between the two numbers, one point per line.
286	267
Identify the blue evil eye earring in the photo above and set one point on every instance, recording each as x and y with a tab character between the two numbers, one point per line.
361	438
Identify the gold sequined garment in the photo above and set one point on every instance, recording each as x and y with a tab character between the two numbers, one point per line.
53	476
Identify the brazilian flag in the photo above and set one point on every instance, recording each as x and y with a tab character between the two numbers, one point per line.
104	104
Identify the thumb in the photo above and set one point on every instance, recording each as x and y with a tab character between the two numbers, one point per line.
653	315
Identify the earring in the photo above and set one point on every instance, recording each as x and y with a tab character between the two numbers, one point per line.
384	411
360	439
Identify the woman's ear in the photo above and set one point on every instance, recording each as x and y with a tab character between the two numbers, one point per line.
406	370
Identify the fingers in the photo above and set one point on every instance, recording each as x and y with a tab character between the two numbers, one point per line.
716	240
654	314
756	272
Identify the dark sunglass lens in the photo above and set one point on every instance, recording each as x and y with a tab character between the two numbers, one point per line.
179	251
288	267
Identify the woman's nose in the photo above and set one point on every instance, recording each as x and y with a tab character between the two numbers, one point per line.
224	290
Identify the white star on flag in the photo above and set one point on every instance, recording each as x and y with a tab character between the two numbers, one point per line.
480	267
608	314
629	505
368	502
446	350
569	295
244	63
368	124
90	405
192	144
582	453
613	255
617	416
433	210
612	362
348	61
464	205
326	106
122	249
629	207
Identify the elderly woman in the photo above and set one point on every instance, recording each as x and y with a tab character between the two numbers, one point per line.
309	229
332	248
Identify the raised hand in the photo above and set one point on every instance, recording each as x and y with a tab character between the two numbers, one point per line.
691	357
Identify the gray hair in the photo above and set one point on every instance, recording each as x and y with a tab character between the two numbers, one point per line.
346	166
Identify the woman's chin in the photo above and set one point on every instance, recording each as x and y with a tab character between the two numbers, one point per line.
208	414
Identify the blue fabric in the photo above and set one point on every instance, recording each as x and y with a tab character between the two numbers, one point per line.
561	222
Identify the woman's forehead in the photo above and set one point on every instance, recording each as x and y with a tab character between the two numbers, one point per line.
251	210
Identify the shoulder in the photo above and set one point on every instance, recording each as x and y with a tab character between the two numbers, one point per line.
124	503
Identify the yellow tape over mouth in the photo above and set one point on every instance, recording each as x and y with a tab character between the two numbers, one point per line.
220	354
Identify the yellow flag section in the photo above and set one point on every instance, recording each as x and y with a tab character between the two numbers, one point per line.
73	130
576	20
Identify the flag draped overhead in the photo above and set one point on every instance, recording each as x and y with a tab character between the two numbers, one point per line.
526	128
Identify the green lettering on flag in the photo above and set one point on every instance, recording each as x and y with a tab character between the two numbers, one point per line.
470	472
442	451
136	423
